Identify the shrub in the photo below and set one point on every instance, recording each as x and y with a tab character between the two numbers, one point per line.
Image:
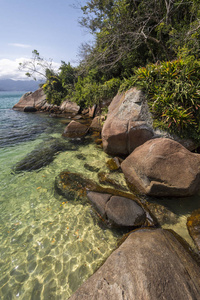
173	90
88	92
54	90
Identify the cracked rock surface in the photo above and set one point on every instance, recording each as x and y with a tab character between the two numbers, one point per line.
119	211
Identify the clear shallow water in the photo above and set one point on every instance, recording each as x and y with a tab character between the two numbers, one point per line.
48	245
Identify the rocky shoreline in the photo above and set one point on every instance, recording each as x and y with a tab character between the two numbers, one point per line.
151	263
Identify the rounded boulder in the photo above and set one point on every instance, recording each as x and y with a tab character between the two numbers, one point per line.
163	167
124	212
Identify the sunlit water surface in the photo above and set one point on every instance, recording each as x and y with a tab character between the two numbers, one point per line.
49	245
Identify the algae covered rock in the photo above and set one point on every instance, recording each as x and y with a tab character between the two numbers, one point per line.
115	207
193	225
42	155
74	186
113	164
111	179
162	214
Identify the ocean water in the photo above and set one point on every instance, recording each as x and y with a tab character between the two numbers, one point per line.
48	245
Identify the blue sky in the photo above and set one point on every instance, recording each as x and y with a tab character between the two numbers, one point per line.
49	26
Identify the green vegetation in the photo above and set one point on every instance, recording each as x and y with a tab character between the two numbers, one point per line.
173	90
153	44
59	86
88	92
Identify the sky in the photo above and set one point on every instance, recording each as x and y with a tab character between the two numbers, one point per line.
49	26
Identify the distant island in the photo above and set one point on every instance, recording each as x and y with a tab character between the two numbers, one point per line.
19	85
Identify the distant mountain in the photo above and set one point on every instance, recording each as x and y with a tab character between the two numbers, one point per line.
19	85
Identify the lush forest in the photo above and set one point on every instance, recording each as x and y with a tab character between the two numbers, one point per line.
153	44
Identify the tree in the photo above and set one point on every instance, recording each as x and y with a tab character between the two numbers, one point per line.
37	66
139	31
67	74
59	86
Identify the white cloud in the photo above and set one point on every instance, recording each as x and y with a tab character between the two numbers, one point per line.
19	45
9	69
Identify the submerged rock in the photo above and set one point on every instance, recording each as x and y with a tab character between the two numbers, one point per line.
193	225
74	186
91	168
150	264
162	214
115	207
43	155
163	167
110	179
118	211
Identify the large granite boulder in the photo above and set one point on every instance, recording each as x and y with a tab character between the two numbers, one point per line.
128	124
36	99
193	225
150	264
163	167
69	107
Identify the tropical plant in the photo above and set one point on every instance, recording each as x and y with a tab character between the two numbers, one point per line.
173	90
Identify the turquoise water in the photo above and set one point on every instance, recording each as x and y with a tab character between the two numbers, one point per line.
48	245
